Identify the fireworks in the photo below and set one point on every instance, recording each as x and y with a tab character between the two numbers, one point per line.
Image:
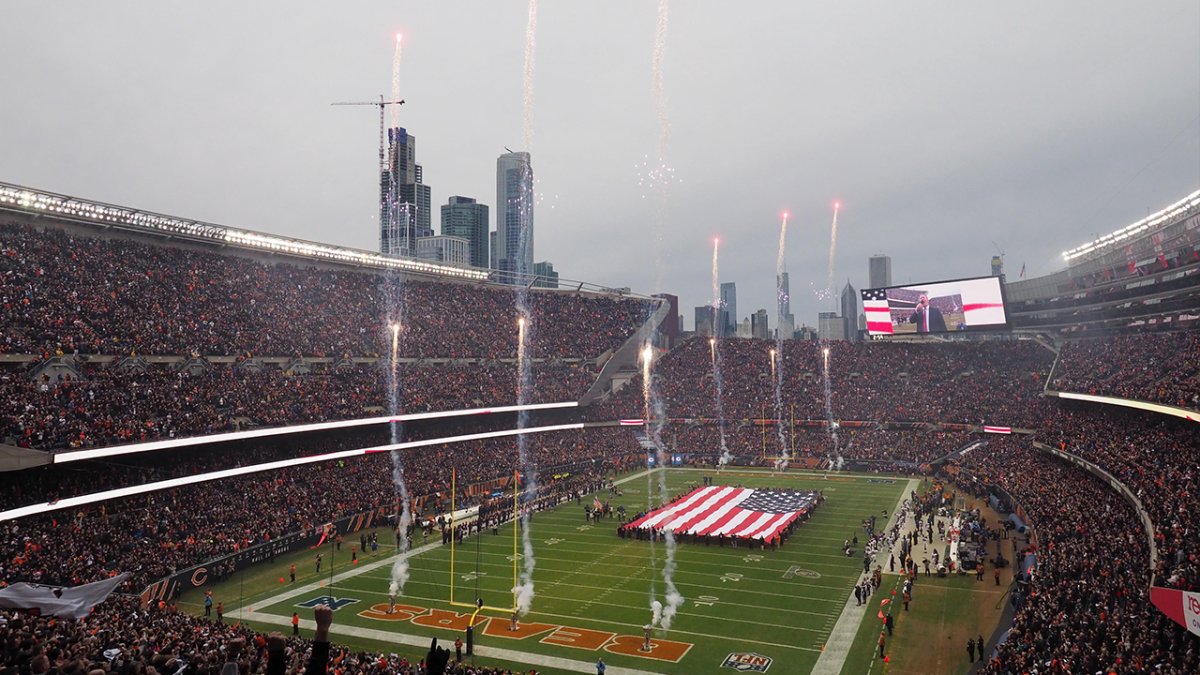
527	80
654	177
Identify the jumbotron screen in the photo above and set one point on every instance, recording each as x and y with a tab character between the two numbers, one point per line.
936	307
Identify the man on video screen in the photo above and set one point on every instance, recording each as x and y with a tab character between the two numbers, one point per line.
927	318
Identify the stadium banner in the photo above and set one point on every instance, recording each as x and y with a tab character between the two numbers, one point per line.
989	429
217	569
1182	607
936	307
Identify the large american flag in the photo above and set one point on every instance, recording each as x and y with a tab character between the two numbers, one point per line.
733	512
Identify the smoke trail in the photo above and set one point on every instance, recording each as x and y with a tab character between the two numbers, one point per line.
661	615
400	574
777	357
521	268
832	250
831	426
396	80
660	94
530	53
661	175
715	345
525	588
833	436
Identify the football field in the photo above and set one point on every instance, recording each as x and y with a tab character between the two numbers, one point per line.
760	610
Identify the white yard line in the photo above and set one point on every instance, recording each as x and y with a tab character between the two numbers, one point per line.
837	647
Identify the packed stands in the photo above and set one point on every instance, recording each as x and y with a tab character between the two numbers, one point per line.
1156	367
969	383
168	641
1086	609
1156	457
154	534
73	292
110	406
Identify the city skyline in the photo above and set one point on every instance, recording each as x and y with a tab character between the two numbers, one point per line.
1014	140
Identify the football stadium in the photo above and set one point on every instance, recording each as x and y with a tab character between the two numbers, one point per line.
335	441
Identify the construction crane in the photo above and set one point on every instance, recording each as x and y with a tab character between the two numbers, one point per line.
382	105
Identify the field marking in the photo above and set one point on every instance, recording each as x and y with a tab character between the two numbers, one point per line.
829	615
841	638
788	582
287	620
622	606
838	588
389	636
726	560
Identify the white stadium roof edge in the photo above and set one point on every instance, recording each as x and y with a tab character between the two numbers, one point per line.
132	448
20	199
106	495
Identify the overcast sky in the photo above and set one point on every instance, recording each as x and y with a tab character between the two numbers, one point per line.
941	127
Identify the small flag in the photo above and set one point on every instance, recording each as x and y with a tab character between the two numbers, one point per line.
1022	271
988	429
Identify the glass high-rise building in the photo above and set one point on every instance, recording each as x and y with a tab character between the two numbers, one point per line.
727	315
514	216
404	198
850	311
466	218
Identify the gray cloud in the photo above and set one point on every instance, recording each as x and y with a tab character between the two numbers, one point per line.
941	128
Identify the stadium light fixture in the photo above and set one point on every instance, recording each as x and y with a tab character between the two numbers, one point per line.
1170	213
37	201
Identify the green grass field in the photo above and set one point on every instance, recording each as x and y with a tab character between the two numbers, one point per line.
593	588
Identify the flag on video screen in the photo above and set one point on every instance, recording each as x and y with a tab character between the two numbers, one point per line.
879	313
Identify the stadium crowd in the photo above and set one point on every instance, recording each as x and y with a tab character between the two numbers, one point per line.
1086	609
750	443
120	637
1158	367
110	406
75	292
997	382
158	533
1159	460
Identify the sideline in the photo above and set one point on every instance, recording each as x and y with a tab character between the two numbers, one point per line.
841	638
247	613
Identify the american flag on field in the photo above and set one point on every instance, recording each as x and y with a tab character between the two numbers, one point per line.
878	311
734	512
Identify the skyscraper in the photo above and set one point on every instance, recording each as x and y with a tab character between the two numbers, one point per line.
546	276
727	323
758	325
879	271
514	216
787	322
830	326
704	320
466	218
405	198
850	311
